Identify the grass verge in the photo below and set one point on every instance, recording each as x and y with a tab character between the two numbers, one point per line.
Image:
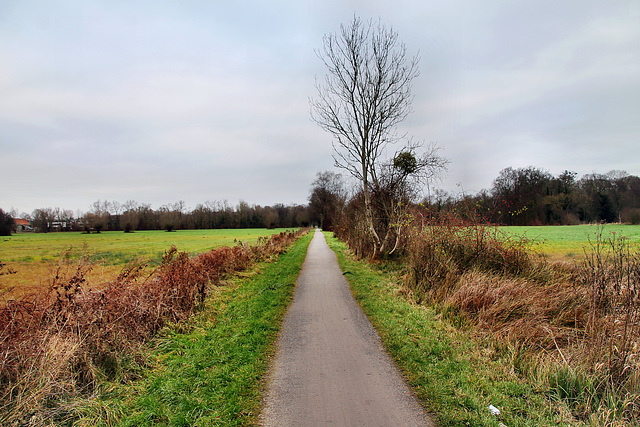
209	372
453	372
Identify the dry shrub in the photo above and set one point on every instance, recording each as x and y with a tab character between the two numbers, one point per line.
581	322
353	229
444	249
611	346
58	343
521	310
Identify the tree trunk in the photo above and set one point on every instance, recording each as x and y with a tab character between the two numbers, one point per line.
369	217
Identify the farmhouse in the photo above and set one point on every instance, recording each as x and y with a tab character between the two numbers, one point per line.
22	225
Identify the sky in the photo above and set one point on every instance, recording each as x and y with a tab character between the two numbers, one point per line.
161	101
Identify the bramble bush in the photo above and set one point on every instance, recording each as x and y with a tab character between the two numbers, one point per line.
440	251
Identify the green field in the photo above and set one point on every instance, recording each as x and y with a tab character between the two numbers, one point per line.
568	242
116	247
34	255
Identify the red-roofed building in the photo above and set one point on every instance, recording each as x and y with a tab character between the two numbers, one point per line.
22	225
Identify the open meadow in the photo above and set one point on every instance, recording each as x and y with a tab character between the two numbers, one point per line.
568	242
34	256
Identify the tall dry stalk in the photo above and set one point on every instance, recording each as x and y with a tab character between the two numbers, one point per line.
612	272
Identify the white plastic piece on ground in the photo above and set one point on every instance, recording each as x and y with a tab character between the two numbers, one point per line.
495	411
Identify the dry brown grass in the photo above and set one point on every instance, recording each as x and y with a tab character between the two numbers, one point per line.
544	315
575	327
60	341
35	275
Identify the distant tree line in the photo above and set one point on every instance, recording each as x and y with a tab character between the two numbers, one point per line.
131	216
533	196
522	196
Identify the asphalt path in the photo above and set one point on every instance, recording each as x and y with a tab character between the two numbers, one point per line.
330	367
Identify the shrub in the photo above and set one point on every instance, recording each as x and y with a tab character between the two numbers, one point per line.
611	272
630	216
7	225
352	228
447	247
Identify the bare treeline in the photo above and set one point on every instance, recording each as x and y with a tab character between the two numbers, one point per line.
533	196
131	216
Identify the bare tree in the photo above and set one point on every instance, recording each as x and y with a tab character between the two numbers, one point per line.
169	217
364	96
130	205
43	219
64	219
98	218
129	218
115	207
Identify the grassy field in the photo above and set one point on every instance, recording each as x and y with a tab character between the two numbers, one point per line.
568	242
34	256
208	372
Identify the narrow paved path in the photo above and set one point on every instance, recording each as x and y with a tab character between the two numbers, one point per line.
330	368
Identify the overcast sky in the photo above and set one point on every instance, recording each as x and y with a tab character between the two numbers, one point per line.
160	101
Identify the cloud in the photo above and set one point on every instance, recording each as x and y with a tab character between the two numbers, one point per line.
539	89
199	101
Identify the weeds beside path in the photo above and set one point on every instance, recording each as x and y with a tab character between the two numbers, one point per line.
210	374
454	373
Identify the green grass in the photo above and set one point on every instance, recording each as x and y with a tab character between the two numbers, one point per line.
455	374
567	242
117	247
210	372
34	255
